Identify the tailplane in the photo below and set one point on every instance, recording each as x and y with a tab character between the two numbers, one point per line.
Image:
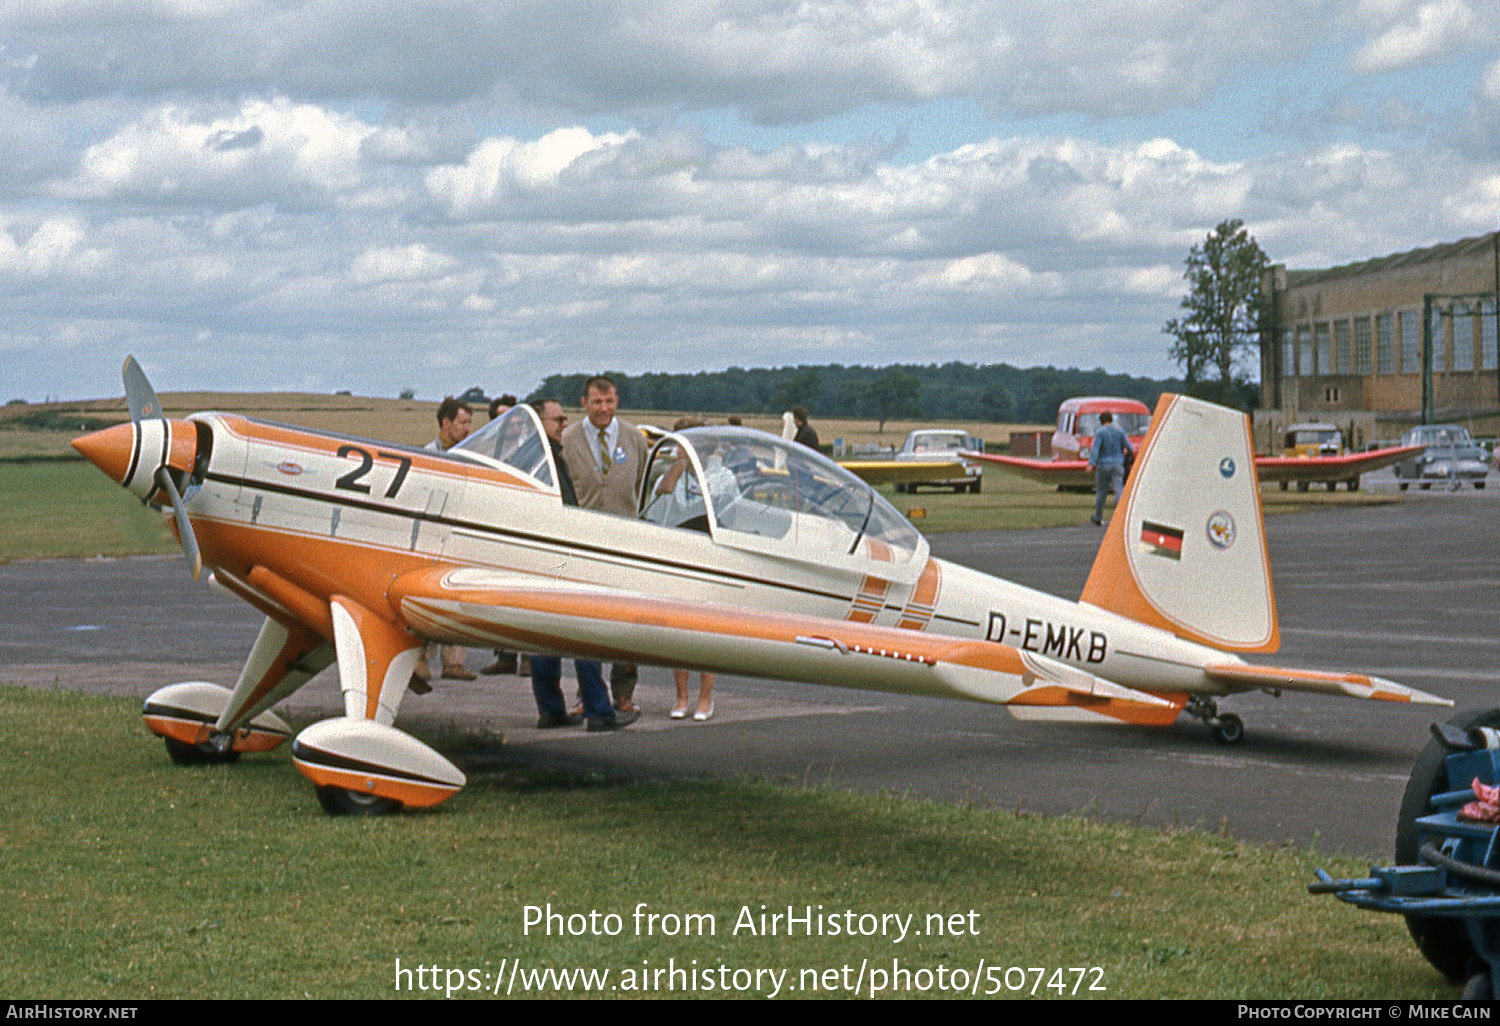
1186	548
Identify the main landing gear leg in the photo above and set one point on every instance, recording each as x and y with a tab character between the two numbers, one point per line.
1228	728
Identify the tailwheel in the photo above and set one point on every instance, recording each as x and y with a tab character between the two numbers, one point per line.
217	750
1228	728
340	801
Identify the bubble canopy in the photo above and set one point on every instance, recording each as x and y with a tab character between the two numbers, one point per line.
514	438
770	494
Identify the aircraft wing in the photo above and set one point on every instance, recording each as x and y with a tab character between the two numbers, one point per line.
1330	468
1064	473
879	472
534	614
1350	685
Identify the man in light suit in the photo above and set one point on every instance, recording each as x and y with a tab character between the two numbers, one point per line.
607	456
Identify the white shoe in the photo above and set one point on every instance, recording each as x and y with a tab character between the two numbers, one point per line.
700	716
679	713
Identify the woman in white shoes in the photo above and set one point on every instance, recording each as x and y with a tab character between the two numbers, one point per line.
705	707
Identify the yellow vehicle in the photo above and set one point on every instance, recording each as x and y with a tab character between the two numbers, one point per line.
1306	441
1310	442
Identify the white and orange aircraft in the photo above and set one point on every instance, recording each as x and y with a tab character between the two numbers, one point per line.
764	559
1078	419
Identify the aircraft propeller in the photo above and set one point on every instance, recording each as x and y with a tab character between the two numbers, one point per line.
141	398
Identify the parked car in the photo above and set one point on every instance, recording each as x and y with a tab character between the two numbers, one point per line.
1451	457
941	445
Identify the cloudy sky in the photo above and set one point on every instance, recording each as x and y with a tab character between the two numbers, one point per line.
319	194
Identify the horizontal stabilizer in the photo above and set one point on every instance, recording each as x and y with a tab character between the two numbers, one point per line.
1351	685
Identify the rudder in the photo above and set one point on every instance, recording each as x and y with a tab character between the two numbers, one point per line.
1186	548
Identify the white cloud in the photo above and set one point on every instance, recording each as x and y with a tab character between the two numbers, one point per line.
544	186
1433	30
269	151
54	246
1489	84
775	62
499	167
400	263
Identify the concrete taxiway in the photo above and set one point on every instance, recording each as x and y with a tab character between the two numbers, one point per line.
1407	591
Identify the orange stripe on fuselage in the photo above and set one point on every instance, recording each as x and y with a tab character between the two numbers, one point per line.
870	601
923	602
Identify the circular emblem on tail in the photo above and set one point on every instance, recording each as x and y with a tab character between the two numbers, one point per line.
1226	467
1221	530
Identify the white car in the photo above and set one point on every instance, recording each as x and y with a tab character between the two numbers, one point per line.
942	445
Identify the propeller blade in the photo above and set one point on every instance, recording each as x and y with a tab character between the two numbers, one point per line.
184	526
139	395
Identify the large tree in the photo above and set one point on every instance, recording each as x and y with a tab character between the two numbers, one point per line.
1223	308
893	394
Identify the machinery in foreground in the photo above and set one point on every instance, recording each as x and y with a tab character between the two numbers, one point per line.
1447	884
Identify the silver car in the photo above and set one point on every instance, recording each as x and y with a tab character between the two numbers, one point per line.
937	445
1451	458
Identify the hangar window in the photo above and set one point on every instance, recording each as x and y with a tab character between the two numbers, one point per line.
1344	362
1463	339
1325	349
1385	344
1362	345
1487	333
1411	341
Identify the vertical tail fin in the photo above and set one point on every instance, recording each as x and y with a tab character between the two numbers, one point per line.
1186	549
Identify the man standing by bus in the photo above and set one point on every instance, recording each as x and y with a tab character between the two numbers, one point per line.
1107	461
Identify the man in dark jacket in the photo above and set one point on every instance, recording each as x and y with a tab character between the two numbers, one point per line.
546	671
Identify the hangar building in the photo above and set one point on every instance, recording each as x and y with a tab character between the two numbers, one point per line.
1346	344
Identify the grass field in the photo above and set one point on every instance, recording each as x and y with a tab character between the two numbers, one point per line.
123	876
68	508
44	429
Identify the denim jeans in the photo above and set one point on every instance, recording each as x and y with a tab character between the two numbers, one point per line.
1107	476
546	685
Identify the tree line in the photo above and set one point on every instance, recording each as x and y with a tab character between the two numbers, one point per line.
998	392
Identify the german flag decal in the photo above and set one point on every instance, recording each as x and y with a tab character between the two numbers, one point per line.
1162	540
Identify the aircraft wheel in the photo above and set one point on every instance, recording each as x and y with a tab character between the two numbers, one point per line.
340	801
1443	941
1229	730
184	754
